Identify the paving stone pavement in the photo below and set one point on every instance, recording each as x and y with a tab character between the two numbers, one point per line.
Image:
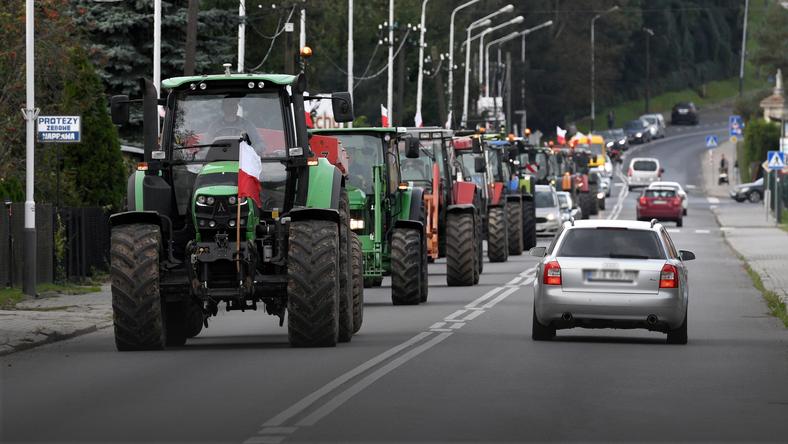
48	319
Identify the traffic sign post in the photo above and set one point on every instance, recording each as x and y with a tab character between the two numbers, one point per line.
775	161
711	141
735	126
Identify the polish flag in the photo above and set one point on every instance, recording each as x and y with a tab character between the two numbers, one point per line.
417	120
250	167
384	117
447	125
561	135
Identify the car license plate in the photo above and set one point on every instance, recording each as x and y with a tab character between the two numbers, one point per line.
682	111
660	202
611	275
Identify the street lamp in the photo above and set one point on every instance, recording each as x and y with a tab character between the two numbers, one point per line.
505	39
515	21
420	82
451	57
593	21
649	34
484	21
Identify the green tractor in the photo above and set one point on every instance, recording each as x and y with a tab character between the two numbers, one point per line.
387	215
189	242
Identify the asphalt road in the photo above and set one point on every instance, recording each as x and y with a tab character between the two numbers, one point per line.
460	368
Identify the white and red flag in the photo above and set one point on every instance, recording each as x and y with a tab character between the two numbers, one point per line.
384	117
250	167
560	135
417	120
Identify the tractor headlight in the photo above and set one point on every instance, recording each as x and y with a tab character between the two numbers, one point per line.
201	200
609	144
356	224
210	200
622	141
232	200
639	135
212	223
600	195
231	223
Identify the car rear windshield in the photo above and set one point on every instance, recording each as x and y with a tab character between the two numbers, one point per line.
544	199
660	193
634	124
645	165
611	243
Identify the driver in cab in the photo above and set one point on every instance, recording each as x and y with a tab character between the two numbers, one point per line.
231	124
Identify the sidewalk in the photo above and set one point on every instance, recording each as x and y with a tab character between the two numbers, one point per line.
48	319
745	228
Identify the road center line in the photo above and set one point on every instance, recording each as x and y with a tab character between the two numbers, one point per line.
474	314
483	297
310	399
341	398
453	316
514	281
500	297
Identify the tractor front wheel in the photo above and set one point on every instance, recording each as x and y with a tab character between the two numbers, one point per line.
514	221
497	235
313	284
407	256
460	249
358	284
529	223
138	316
345	271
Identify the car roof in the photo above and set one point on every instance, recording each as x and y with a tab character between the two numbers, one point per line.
664	183
613	223
544	188
644	158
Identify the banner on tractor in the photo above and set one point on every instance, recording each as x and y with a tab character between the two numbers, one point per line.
322	114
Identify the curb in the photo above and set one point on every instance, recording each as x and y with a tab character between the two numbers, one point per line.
8	349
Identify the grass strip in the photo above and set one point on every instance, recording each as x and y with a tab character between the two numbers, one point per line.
776	306
9	297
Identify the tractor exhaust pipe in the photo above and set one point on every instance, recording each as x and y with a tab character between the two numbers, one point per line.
566	316
652	320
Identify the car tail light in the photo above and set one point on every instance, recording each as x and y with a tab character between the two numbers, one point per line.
643	201
669	276
552	273
677	201
629	172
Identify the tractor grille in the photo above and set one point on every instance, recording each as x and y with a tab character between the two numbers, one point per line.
220	216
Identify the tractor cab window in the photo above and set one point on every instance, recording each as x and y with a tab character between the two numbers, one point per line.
420	170
494	163
467	165
364	151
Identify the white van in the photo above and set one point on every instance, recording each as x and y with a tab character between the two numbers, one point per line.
642	171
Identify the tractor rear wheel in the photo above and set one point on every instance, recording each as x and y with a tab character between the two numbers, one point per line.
407	256
514	221
479	248
425	277
529	223
196	319
138	316
460	249
358	283
497	235
345	271
585	204
313	284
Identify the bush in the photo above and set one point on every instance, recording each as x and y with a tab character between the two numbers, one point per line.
760	136
12	188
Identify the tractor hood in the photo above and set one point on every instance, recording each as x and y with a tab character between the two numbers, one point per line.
217	174
356	197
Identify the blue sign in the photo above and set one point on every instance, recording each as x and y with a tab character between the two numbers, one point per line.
735	126
59	129
711	141
775	160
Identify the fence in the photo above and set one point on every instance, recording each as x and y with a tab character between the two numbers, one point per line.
86	249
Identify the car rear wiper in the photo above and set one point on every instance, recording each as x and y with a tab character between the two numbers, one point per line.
627	256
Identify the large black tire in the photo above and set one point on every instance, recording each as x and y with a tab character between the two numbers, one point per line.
601	203
137	311
406	259
358	283
479	249
461	254
593	204
514	222
497	235
585	204
313	284
196	320
679	222
529	223
345	271
541	332
679	335
425	275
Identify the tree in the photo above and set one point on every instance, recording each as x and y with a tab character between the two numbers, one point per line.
771	37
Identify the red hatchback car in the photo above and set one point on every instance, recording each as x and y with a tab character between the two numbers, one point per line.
660	203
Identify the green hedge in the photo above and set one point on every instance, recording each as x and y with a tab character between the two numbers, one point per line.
760	136
11	188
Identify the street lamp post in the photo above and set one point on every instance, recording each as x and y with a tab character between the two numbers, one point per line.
451	57
390	81
420	82
484	21
649	34
743	47
30	112
515	21
593	104
350	52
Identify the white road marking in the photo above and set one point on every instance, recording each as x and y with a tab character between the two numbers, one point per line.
440	329
713	200
452	316
458	325
690	187
265	440
674	230
702	231
483	297
528	272
514	281
310	399
354	389
500	297
437	325
474	314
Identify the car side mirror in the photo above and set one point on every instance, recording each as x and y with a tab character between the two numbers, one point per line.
119	109
412	151
479	165
342	106
662	171
476	146
686	255
537	251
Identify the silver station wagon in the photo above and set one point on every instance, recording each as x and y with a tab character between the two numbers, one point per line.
611	274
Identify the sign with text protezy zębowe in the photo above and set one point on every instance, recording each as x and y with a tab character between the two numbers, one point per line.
59	129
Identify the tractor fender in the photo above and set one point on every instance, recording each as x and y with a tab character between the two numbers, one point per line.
496	192
461	208
325	184
416	209
410	200
135	217
513	198
463	192
414	224
326	214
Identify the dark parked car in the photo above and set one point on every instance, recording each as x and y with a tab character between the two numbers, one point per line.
637	131
752	191
684	112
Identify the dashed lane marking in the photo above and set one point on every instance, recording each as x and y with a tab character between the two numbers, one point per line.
713	200
437	325
674	230
702	231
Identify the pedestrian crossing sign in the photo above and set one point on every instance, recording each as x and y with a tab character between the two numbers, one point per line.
711	141
775	160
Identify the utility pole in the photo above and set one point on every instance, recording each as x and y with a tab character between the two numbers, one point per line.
420	81
743	47
451	56
241	35
157	46
302	29
508	83
30	112
439	86
649	34
350	52
191	38
390	69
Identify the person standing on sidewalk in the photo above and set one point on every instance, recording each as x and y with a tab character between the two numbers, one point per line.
611	119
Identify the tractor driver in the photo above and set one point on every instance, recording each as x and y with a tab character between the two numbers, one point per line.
232	124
